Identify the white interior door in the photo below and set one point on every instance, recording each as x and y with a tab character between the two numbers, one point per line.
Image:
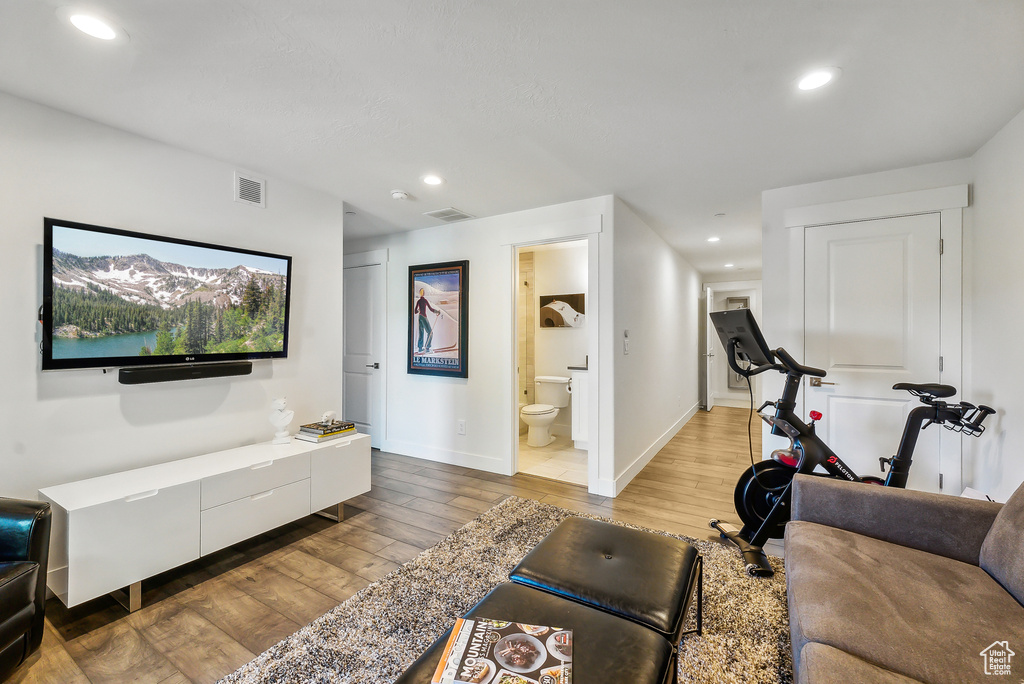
872	320
709	351
363	358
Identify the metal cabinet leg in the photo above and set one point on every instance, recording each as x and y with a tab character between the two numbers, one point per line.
130	597
335	513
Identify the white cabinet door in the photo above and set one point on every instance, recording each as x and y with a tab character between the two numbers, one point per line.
338	473
872	320
117	543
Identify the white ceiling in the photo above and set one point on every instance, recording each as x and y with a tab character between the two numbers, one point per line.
682	108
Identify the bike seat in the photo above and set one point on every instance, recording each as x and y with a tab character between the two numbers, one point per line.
933	390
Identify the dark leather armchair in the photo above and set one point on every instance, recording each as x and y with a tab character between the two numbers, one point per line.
24	550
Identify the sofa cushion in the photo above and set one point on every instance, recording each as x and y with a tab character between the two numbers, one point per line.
17	607
950	526
917	614
1002	553
17	586
823	664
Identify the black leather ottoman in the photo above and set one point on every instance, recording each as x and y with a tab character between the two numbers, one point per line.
606	649
647	578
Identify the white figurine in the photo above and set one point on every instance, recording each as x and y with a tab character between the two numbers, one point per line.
280	418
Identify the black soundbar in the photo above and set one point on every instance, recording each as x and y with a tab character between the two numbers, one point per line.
144	374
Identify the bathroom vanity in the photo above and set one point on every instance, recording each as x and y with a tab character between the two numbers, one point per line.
580	411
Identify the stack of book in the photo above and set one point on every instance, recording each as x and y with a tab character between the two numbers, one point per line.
323	432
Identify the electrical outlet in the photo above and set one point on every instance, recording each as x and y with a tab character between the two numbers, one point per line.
460	427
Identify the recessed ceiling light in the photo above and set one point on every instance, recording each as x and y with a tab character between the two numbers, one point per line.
713	239
92	24
728	265
95	27
433	179
818	78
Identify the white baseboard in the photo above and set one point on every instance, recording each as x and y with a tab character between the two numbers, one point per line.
489	464
743	403
620	482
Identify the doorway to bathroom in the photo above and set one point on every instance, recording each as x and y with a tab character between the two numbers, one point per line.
552	354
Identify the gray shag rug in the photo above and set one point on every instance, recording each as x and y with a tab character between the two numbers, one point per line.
372	637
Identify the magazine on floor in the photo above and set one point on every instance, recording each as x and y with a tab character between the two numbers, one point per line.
489	651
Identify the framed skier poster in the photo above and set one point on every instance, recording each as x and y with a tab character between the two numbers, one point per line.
439	319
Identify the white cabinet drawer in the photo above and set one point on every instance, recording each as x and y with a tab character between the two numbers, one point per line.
261	477
117	543
232	522
339	472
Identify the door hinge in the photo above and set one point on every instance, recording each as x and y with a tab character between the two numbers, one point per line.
940	246
940	364
940	480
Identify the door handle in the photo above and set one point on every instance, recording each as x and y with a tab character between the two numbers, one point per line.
817	382
373	365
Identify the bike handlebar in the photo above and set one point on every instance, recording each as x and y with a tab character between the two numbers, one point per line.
791	365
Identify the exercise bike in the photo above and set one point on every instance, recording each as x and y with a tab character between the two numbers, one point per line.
762	494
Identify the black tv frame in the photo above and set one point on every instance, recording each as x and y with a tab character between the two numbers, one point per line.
164	364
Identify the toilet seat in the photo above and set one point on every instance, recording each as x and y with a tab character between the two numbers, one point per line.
537	409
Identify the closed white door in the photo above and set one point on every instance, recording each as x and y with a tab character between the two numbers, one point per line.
872	320
363	362
709	351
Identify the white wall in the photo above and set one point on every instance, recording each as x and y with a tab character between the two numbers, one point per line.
995	326
423	410
67	425
657	298
638	402
561	270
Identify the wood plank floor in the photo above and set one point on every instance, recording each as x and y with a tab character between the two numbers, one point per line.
205	619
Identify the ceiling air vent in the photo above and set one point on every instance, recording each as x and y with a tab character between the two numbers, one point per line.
249	190
449	215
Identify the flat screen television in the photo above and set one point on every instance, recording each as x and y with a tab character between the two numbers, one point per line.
114	298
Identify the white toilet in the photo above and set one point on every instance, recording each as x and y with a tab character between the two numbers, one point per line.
552	393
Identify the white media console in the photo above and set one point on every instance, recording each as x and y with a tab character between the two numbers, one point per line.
111	532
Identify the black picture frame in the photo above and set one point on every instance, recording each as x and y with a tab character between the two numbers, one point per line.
439	324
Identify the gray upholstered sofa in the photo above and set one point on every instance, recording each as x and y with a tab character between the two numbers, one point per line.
889	585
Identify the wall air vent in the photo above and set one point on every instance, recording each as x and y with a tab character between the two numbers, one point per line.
449	215
249	190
